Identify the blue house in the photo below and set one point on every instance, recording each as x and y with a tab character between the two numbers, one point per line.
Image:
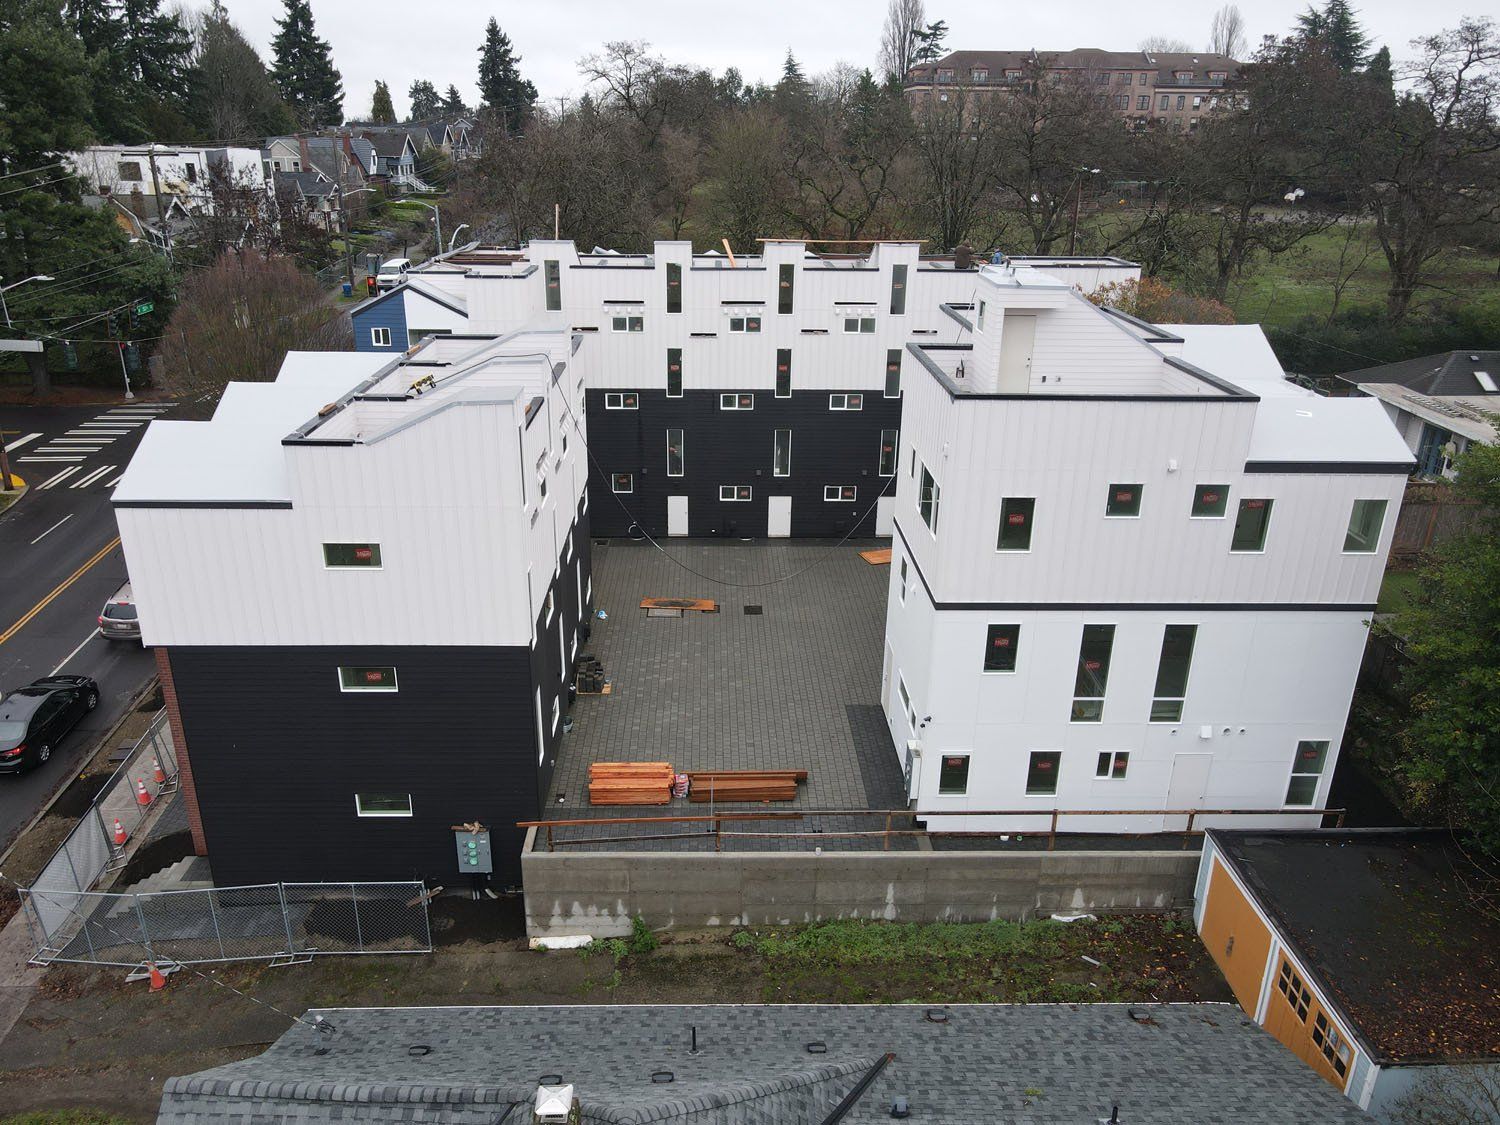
399	318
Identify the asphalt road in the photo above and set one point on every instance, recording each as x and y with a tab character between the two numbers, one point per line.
60	560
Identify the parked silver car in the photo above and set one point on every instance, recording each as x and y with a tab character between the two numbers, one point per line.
118	620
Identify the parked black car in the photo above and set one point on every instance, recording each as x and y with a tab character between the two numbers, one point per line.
34	719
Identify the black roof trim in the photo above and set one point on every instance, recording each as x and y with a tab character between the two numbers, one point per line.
1331	467
621	301
1154	335
277	504
840	269
742	302
952	311
727	269
612	265
527	272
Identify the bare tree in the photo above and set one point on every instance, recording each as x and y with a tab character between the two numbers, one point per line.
1227	33
238	318
904	21
1165	44
1451	1095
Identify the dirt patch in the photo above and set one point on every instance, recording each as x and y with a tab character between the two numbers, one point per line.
457	919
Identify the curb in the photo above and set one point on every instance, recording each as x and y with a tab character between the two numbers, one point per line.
104	740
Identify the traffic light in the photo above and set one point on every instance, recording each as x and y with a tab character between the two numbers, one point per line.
70	355
135	319
132	358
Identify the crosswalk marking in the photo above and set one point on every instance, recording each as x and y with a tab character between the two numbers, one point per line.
39	458
67	450
111	425
91	433
112	483
52	482
20	441
84	482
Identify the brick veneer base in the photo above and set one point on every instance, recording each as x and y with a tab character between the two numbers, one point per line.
180	746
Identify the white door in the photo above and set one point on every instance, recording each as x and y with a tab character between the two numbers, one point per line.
1016	340
677	515
1188	785
779	509
885	515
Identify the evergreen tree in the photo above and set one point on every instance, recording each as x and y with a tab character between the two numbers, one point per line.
453	103
501	87
44	87
304	69
791	72
233	95
1378	71
927	42
382	112
1337	26
155	50
425	101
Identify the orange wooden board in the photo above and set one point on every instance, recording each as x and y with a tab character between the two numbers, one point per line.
877	558
703	605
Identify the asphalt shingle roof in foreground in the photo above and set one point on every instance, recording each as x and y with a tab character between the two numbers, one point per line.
1189	1064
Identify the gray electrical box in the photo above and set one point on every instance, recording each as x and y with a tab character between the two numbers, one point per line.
474	851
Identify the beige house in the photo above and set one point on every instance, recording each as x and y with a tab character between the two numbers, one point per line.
1171	90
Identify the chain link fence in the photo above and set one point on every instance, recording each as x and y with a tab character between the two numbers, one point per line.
146	775
292	921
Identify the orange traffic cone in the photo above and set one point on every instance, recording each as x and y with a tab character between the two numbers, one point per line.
142	798
158	982
120	836
159	775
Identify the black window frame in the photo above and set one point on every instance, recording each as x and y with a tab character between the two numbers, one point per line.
1005	638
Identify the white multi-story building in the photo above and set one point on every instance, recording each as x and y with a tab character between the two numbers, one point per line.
366	584
1133	566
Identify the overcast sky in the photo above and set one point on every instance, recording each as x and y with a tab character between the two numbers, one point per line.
402	40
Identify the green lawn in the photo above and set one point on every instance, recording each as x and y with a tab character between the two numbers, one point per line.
1280	290
1397	590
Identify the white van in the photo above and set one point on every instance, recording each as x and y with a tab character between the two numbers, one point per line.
392	273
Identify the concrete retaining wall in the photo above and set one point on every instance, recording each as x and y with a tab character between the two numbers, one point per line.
599	892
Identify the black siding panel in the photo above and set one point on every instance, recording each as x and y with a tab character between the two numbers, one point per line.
735	447
279	752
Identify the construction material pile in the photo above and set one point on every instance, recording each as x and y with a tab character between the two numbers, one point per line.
630	783
590	675
722	786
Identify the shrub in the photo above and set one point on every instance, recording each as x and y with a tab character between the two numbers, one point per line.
642	939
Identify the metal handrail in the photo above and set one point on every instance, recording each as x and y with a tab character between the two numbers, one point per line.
1054	815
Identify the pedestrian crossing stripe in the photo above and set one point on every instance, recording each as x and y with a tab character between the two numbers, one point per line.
52	482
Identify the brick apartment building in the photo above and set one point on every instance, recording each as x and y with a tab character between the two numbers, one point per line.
1173	90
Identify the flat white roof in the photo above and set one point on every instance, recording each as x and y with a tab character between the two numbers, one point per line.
1238	353
236	456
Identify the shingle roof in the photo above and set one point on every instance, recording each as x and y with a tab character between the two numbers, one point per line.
389	145
312	184
1446	373
1385	920
1025	1064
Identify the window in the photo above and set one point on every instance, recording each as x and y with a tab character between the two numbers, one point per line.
781	454
622	482
130	171
380	337
1124	500
911	712
893	373
1364	527
547	607
367	679
674	372
1015	523
1198	103
1041	773
337	556
556	713
1297	994
382	804
1307	768
783	372
1093	673
1181	101
627	323
888	439
898	290
1166	102
1172	673
840	493
854	324
1250	526
979	74
929	496
1332	1044
1210	501
744	324
734	492
979	318
953	776
622	400
944	74
786	273
1000	645
552	273
737	402
414	335
846	402
901	591
191	172
674	453
1144	78
1143	102
1112	764
674	287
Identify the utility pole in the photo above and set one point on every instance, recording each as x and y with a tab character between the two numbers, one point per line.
155	181
344	234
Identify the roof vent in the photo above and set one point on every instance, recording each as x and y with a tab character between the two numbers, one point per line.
553	1105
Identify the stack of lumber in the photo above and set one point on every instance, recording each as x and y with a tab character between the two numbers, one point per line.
881	557
744	785
630	783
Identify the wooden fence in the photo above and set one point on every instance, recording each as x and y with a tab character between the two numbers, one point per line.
1431	512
